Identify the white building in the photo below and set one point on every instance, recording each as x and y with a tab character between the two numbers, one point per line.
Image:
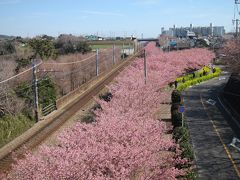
191	34
218	30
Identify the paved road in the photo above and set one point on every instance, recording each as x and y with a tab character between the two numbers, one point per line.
212	129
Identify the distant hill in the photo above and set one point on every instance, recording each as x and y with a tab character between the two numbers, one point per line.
6	37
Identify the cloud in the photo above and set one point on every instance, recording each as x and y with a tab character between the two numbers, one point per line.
6	2
101	13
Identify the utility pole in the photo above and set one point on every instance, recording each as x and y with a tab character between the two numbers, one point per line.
237	2
113	54
145	67
237	26
237	21
97	62
123	51
35	83
129	49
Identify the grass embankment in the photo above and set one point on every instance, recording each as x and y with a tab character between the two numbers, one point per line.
197	77
13	126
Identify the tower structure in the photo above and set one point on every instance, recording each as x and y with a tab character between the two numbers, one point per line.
235	18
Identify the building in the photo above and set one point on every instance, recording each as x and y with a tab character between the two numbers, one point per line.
94	38
184	32
218	31
190	34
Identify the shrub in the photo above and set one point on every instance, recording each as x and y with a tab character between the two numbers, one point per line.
182	136
176	118
200	79
22	63
180	133
204	71
96	106
187	151
13	126
46	92
7	47
66	48
106	96
83	47
176	97
66	44
43	48
89	118
175	106
192	175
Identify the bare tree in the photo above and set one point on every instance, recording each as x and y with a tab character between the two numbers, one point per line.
9	103
231	55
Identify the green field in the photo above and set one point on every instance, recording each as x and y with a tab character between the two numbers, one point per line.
101	46
109	46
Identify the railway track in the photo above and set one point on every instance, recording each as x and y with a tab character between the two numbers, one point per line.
46	130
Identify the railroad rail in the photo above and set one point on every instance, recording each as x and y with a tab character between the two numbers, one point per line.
32	138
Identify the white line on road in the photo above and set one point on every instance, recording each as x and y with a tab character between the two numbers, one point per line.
210	101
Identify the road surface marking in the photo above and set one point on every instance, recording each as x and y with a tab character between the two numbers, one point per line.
221	140
233	143
212	102
222	78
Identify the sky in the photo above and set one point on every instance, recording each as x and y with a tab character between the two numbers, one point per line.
28	18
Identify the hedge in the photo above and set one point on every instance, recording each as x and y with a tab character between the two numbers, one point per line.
195	81
176	97
196	74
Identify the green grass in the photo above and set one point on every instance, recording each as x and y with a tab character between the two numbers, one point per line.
13	126
101	46
108	46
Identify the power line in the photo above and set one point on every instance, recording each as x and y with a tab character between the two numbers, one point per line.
20	73
75	62
46	64
235	19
